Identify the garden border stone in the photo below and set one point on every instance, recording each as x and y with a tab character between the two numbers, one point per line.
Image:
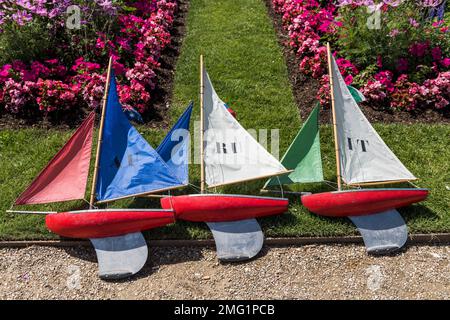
413	239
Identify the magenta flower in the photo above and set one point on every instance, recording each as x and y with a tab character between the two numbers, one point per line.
419	49
349	79
402	65
446	62
436	53
50	85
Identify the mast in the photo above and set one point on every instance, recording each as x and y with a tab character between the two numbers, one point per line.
202	116
100	135
336	142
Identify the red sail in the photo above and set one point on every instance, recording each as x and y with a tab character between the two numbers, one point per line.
65	176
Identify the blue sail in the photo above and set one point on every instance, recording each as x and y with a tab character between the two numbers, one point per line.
129	166
174	149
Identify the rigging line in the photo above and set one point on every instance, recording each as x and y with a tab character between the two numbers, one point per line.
281	187
331	184
413	184
93	207
197	189
192	186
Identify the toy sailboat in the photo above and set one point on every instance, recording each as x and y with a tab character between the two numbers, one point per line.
229	155
362	159
126	166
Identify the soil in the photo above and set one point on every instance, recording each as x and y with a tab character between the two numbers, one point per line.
305	90
306	272
161	96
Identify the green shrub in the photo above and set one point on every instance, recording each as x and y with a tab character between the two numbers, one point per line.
399	28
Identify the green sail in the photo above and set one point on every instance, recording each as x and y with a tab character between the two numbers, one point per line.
303	156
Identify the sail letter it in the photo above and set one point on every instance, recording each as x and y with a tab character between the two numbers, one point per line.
365	158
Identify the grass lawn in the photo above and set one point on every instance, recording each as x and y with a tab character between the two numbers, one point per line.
247	68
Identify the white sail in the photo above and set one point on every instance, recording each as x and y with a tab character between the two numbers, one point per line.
365	158
231	154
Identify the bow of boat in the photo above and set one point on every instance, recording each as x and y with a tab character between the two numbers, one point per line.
361	202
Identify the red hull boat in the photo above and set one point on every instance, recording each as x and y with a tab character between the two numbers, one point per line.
90	224
361	202
223	208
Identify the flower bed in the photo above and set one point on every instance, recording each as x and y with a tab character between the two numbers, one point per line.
403	64
58	69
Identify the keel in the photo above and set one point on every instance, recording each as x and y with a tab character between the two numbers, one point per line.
120	257
383	233
237	240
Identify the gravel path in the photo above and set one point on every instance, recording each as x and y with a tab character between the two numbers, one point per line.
309	272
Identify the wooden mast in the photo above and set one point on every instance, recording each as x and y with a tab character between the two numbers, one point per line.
202	129
336	142
100	135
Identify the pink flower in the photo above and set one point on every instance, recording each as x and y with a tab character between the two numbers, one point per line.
141	36
414	23
4	71
100	44
402	65
442	103
84	66
436	53
349	80
419	49
439	23
380	62
52	61
394	33
446	62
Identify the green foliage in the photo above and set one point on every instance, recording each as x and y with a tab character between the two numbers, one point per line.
363	77
363	45
422	73
42	38
35	35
